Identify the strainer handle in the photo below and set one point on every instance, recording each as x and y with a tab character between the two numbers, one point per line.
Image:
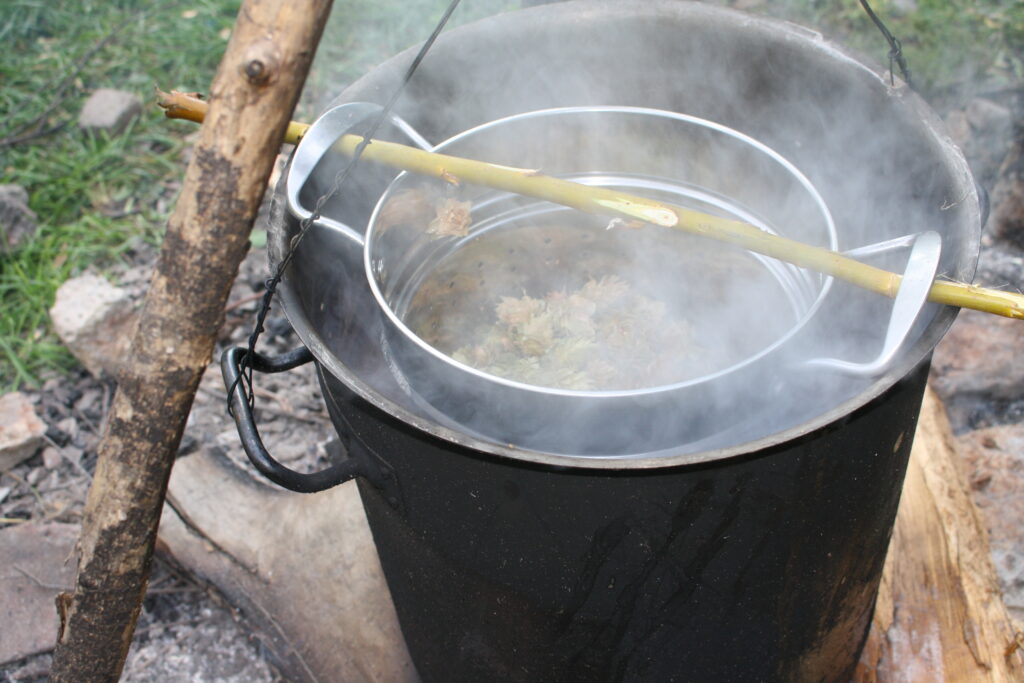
230	365
319	139
910	300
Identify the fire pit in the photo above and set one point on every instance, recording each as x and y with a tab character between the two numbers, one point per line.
727	522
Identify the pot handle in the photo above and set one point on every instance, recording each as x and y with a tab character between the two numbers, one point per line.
910	299
319	139
273	470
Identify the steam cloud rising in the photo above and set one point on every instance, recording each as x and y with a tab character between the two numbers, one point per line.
869	150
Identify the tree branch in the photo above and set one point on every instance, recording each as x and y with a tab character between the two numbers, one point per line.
251	99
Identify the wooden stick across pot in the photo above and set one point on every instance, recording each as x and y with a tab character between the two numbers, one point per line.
617	204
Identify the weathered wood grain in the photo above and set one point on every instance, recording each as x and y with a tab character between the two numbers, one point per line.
940	615
251	100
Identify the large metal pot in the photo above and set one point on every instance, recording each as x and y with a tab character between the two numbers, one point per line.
754	561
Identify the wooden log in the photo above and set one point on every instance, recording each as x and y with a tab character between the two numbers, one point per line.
940	614
251	101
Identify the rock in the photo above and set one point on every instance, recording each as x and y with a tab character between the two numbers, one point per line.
109	111
33	571
35	475
96	321
994	458
17	221
51	458
982	131
980	355
1001	268
988	117
748	5
21	430
69	427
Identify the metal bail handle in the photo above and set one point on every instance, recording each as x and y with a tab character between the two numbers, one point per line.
911	298
249	435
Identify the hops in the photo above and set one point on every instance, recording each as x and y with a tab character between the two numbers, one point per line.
453	219
603	337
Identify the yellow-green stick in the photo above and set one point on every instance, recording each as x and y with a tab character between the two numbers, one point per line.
608	202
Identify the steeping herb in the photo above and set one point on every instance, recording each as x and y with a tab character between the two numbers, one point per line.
605	336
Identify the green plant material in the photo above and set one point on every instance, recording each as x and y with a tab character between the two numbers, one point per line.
98	199
605	336
258	239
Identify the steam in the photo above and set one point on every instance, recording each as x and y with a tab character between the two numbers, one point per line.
866	147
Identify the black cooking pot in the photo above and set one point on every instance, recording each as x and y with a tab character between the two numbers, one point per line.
756	560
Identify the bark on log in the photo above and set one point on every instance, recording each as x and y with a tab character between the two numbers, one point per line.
251	101
939	615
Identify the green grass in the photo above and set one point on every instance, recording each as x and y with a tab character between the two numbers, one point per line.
99	199
96	198
955	48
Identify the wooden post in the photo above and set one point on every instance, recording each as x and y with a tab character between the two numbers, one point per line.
251	101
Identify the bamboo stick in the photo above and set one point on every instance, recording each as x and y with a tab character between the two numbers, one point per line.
604	201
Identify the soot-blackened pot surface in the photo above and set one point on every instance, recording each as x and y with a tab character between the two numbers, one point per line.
762	569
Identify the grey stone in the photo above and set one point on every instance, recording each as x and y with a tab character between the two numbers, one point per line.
35	475
982	131
51	458
980	356
96	321
17	221
21	430
991	117
33	571
109	111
